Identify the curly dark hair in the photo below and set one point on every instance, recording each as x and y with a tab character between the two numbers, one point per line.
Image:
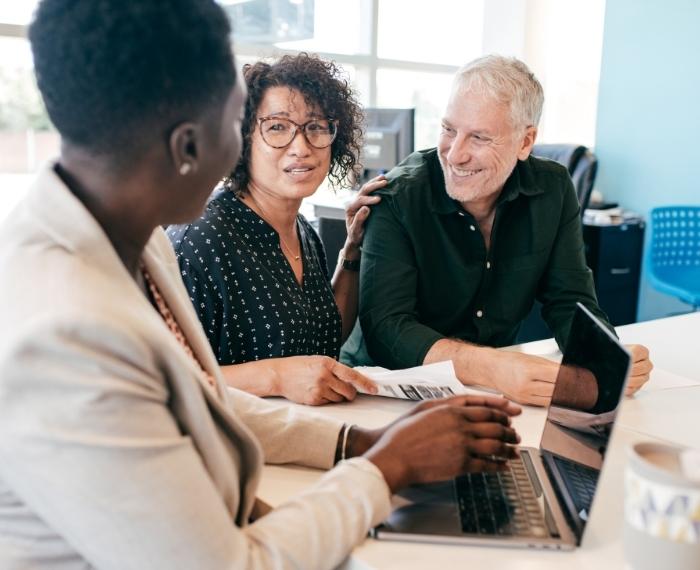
117	75
322	85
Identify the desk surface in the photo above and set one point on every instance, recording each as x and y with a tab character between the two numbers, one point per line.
666	411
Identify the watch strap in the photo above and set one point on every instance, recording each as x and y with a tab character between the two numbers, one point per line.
349	264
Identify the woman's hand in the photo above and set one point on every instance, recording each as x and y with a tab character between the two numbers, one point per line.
317	380
441	439
357	212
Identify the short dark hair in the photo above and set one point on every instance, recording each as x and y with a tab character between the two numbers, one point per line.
322	84
117	75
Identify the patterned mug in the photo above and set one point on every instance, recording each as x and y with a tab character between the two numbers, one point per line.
662	509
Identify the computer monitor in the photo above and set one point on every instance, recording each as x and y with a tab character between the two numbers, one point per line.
388	139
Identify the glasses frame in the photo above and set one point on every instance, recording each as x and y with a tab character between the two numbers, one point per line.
297	128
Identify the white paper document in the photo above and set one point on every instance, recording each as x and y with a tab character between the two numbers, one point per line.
420	383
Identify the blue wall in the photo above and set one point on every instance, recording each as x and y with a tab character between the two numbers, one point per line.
648	128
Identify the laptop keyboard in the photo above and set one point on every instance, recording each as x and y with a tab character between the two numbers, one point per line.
580	481
502	503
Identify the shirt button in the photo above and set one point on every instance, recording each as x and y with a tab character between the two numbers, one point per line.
472	228
488	265
461	213
480	313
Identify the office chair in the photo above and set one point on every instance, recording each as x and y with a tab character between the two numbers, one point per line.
673	256
583	177
581	163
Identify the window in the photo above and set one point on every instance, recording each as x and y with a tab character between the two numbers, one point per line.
18	12
449	33
425	91
396	54
302	25
27	139
565	45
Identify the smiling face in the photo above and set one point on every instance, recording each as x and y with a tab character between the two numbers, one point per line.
297	170
479	146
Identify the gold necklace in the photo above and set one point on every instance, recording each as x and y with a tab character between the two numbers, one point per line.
265	217
296	257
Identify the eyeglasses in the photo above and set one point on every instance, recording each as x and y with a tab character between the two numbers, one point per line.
279	132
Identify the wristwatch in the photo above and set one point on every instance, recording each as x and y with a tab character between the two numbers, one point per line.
348	264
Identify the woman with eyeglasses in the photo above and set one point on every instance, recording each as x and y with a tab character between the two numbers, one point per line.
254	267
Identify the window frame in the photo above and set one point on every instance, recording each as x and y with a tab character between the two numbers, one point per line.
516	36
368	63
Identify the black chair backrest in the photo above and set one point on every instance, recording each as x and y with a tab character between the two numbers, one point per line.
583	177
578	160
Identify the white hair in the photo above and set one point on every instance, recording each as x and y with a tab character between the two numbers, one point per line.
508	81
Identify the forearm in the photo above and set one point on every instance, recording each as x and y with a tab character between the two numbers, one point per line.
473	364
346	285
259	377
319	527
288	433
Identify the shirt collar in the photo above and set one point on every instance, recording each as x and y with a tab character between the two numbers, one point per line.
227	199
520	181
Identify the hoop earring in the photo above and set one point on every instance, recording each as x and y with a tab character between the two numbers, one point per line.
185	168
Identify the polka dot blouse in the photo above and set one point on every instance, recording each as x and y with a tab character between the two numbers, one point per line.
244	290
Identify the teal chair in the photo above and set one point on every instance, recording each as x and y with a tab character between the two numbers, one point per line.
673	256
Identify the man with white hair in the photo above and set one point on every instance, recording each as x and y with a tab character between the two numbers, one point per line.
468	235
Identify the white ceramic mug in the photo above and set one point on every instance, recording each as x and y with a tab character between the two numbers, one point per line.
662	508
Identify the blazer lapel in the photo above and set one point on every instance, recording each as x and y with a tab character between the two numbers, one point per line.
159	259
166	274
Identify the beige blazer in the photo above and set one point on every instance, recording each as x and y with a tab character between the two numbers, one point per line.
114	451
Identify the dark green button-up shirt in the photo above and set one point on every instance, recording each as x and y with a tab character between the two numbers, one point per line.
426	273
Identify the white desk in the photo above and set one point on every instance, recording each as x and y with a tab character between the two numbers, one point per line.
671	415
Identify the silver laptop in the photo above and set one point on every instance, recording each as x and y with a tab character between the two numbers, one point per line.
544	498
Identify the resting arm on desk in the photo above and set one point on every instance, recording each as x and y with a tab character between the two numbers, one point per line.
92	449
521	377
312	380
568	280
435	441
94	459
306	379
396	338
95	463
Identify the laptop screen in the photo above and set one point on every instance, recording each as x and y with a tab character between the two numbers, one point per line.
586	398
